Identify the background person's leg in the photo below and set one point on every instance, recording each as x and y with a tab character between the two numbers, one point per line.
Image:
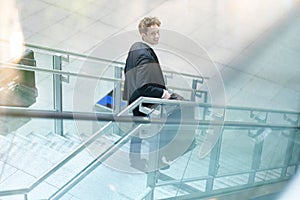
135	154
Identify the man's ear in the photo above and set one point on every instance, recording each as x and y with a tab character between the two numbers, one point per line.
143	35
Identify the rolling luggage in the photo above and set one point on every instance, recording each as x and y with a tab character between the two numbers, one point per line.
17	86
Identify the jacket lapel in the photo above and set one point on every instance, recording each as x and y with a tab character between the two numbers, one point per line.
153	54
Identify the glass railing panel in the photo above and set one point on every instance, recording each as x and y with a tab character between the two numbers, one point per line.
99	69
260	115
42	78
241	156
33	152
44	85
186	161
274	149
236	152
107	183
19	82
44	82
116	179
80	74
71	85
192	84
43	94
44	60
245	155
295	136
238	115
280	118
108	177
82	94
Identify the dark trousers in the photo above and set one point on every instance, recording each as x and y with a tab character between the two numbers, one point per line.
163	137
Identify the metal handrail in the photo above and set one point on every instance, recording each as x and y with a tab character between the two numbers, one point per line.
122	64
59	51
208	105
59	72
52	114
48	114
55	167
21	112
53	71
72	53
14	192
68	157
96	162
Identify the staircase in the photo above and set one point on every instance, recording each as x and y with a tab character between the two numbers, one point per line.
26	156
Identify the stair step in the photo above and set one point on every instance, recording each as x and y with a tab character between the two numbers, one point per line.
220	183
18	147
60	143
34	137
75	138
27	161
169	191
268	175
232	181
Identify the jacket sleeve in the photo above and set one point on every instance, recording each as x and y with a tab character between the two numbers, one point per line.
149	76
151	90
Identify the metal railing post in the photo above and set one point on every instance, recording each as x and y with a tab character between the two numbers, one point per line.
118	91
288	152
194	87
298	146
214	163
259	143
256	160
57	93
195	94
153	161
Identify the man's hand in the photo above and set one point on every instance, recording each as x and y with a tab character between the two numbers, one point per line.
166	95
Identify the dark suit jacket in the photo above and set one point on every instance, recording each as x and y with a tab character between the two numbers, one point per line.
143	74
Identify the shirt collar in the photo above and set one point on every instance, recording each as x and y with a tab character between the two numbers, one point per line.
150	45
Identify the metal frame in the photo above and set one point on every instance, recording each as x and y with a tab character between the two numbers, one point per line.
124	117
57	94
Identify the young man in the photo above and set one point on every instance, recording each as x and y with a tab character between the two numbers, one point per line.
143	77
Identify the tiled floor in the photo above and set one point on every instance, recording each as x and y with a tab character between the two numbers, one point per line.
250	39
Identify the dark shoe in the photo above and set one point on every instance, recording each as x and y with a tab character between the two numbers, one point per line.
164	167
164	163
139	164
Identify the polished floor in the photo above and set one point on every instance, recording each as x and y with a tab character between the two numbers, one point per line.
253	45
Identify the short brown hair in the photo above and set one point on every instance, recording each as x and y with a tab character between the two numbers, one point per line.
147	22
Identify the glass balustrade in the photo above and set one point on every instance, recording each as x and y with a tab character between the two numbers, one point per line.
239	159
69	144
